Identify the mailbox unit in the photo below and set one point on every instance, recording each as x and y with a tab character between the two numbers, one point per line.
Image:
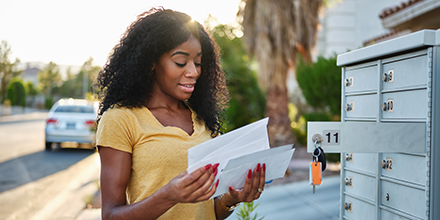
389	134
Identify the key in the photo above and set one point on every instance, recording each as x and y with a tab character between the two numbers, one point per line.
317	166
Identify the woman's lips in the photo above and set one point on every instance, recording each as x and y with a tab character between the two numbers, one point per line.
187	87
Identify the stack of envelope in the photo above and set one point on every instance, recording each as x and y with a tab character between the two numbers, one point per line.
237	152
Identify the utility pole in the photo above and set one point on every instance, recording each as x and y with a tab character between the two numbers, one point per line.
85	83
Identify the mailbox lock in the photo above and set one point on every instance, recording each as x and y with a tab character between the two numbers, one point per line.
388	106
348	181
348	82
348	157
385	106
385	77
349	107
388	76
317	138
348	206
387	197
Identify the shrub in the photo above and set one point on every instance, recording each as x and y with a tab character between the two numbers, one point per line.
16	92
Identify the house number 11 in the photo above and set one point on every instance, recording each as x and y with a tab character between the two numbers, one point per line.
331	137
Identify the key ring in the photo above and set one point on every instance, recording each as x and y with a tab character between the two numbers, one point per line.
315	157
319	150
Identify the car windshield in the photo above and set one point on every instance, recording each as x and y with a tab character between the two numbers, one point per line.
74	109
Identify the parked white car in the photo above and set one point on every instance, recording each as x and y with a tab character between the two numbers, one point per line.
71	120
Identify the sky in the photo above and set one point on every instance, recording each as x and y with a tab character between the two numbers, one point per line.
69	32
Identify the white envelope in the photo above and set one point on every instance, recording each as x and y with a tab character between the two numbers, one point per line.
235	172
237	152
244	140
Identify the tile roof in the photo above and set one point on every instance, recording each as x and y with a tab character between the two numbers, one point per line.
391	10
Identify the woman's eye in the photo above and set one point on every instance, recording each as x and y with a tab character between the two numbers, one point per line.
198	64
181	64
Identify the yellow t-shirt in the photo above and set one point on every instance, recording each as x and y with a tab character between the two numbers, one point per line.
158	154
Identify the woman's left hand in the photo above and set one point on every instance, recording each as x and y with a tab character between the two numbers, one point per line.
253	186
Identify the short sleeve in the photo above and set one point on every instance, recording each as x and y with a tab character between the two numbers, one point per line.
115	130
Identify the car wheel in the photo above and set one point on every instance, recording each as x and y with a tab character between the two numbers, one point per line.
48	146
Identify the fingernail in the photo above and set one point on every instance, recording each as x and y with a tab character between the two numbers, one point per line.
215	172
214	167
264	167
258	167
208	166
216	184
250	174
230	188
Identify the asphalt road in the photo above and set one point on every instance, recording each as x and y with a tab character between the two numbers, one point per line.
31	178
21	137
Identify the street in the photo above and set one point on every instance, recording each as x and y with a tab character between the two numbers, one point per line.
32	178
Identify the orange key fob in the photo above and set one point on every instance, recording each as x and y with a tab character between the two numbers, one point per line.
315	173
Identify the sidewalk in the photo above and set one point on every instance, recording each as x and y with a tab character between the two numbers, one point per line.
297	201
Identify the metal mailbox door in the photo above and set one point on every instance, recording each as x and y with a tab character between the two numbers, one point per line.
367	137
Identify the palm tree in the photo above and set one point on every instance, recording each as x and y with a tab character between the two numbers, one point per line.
275	32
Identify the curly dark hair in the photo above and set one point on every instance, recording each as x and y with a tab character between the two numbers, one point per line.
125	79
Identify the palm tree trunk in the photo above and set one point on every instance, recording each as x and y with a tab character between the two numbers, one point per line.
280	131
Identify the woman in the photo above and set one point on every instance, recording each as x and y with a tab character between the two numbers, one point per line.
163	91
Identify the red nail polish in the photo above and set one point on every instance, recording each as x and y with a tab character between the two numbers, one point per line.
230	188
216	184
258	167
214	167
215	172
208	166
264	167
250	174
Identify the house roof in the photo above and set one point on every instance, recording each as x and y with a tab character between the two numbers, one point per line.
384	37
391	10
409	16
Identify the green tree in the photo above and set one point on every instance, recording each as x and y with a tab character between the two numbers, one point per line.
74	85
8	70
49	78
247	100
31	91
49	81
16	92
70	87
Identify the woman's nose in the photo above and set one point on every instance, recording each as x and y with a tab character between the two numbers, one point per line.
192	70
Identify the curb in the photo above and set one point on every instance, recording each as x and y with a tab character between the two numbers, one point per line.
24	117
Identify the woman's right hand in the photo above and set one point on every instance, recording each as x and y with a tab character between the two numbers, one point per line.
193	187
